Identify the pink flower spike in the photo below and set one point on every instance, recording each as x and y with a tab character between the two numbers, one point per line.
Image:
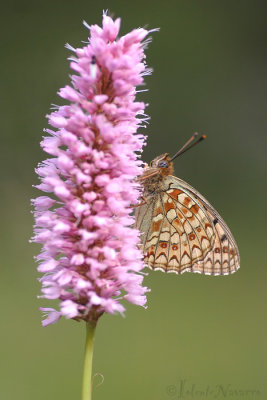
90	257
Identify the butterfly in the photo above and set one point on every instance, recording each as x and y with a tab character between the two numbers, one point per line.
180	230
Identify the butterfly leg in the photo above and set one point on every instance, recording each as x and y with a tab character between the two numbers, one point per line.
140	204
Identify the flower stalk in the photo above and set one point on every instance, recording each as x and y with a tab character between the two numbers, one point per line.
88	358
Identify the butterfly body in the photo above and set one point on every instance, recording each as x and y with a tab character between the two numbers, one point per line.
180	230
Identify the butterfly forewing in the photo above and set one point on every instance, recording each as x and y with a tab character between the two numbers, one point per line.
182	232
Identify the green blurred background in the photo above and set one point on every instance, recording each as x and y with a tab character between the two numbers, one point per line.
209	68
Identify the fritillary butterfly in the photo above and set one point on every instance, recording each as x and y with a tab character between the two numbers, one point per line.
181	231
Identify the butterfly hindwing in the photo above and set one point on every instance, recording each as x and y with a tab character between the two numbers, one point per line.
182	232
224	258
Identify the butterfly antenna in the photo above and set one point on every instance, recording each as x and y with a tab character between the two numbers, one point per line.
186	146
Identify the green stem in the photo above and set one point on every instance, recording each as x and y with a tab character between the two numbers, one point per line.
87	365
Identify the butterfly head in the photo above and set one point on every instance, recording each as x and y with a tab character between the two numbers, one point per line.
158	168
163	163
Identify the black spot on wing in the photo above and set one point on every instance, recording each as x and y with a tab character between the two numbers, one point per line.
223	238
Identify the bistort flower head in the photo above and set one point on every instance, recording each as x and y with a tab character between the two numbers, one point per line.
90	257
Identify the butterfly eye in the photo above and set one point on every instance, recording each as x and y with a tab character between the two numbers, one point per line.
163	164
